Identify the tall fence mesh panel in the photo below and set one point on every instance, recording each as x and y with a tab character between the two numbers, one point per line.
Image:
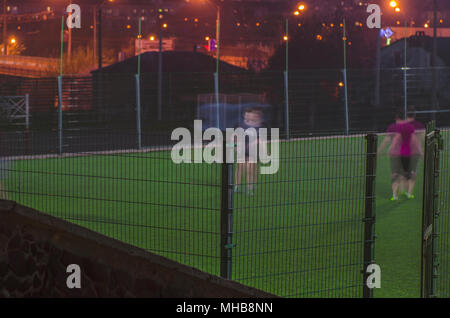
301	232
139	197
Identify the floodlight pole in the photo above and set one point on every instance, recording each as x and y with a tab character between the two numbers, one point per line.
5	40
60	92
216	75
405	80
434	100
218	39
286	83
138	91
378	69
99	37
344	71
160	65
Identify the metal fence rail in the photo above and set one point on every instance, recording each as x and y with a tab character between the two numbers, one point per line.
429	261
443	220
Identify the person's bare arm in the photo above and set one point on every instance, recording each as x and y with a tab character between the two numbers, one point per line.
416	141
387	140
421	140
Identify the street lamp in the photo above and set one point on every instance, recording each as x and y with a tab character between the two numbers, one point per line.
301	7
216	75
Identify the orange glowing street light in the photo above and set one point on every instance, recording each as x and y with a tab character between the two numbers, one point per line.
393	4
13	41
300	8
218	27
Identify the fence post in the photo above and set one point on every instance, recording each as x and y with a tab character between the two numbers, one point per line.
60	125
286	102
347	124
27	110
344	71
216	91
138	111
369	217
438	147
429	258
425	202
226	215
405	92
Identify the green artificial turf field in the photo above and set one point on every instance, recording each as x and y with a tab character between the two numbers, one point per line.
300	235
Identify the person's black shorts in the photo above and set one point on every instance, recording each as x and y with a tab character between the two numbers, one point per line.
414	163
405	166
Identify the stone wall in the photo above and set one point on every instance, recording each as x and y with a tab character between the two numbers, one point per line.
35	250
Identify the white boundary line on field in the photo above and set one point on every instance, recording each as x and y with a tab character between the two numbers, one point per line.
165	148
144	150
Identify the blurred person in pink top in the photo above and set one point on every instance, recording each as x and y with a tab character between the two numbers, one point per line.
417	146
402	138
